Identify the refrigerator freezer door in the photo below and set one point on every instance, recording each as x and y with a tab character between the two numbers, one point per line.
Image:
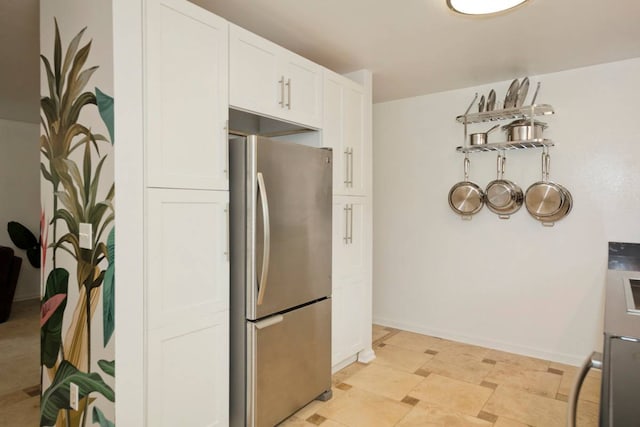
623	382
288	362
296	180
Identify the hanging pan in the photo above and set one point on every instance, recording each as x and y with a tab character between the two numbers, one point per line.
547	201
466	198
503	197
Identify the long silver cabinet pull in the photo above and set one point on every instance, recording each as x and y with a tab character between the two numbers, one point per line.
289	94
346	224
266	247
593	361
346	167
351	224
227	230
281	82
351	167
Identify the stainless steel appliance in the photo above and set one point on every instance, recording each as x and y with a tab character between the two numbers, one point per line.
620	361
280	227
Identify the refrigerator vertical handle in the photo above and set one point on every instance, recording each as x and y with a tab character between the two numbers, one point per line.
266	247
593	361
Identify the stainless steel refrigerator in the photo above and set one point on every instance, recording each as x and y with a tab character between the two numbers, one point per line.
280	244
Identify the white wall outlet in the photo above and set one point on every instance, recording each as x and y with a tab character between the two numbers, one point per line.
74	392
86	236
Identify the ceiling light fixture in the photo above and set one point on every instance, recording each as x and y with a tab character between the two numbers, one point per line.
482	7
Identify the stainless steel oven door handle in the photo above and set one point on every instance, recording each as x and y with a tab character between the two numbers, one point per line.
593	361
266	247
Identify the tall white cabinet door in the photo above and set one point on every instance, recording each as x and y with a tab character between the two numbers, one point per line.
186	96
187	307
353	142
343	130
188	263
350	243
350	238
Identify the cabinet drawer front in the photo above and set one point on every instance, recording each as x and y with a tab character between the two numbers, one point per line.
186	96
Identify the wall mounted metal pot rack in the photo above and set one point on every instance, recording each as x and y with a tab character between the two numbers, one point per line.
528	112
524	126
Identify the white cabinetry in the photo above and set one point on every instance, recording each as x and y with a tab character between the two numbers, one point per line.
344	130
272	81
347	129
349	236
187	307
187	96
349	293
186	215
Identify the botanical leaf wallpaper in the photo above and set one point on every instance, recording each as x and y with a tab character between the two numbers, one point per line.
77	188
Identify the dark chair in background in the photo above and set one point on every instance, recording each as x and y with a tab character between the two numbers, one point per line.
9	272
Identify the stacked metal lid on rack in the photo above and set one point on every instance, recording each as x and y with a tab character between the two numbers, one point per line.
545	201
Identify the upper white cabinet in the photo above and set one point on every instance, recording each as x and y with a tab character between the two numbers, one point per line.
344	131
187	96
270	80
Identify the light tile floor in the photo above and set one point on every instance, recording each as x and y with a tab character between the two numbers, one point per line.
422	381
415	381
20	366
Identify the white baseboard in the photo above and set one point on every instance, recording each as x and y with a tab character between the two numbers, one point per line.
569	359
346	362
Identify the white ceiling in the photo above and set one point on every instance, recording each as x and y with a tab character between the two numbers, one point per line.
413	47
416	47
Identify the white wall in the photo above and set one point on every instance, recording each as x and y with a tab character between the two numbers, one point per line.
507	284
20	194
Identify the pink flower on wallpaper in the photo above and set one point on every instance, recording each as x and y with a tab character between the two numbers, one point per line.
49	307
